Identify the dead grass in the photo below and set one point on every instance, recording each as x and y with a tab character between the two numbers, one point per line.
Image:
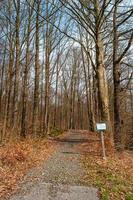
16	158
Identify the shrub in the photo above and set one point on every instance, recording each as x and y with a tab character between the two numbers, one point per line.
55	132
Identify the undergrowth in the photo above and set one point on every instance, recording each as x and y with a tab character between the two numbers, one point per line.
56	132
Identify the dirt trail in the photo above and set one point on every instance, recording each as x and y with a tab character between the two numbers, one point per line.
61	177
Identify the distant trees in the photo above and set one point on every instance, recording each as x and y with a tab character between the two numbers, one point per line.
65	64
94	18
91	18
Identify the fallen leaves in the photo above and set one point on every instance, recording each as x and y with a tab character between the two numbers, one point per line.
92	145
114	177
16	158
12	154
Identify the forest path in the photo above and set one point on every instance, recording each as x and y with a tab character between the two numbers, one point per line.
61	177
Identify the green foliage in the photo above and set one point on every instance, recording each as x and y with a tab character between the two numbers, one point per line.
56	132
105	194
129	197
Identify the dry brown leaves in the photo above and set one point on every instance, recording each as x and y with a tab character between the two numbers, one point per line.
16	158
92	145
114	176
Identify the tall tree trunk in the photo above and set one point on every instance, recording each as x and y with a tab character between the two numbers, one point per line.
9	79
88	95
56	91
47	84
25	80
116	79
37	73
103	95
102	85
2	71
42	97
17	62
71	120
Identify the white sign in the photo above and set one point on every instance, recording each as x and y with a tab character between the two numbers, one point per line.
101	126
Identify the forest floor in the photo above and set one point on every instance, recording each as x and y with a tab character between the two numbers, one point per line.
61	176
68	167
17	158
113	176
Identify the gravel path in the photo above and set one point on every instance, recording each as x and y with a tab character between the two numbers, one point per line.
61	177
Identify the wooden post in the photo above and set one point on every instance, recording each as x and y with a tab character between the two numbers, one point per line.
103	145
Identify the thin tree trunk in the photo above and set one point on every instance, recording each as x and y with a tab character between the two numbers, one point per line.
47	66
25	81
90	111
56	91
17	62
37	74
2	82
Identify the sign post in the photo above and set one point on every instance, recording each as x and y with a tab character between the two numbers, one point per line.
101	127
